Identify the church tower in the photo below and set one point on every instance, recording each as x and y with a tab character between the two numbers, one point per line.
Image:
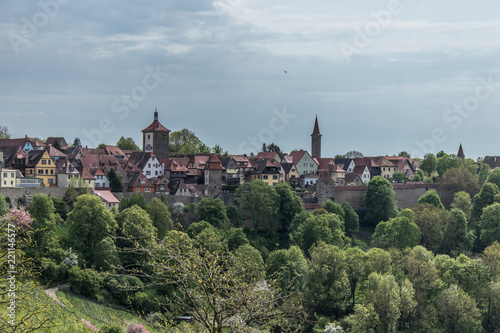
155	138
316	141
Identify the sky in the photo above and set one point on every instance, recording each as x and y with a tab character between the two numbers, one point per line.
381	76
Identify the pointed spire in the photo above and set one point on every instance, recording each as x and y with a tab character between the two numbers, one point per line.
461	152
156	114
316	127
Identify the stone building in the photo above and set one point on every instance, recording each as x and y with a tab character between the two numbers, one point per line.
155	139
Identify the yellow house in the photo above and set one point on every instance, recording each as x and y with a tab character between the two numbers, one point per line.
10	178
41	166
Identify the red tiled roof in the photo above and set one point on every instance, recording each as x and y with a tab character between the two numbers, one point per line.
325	178
214	163
316	128
107	196
155	127
53	152
266	154
296	155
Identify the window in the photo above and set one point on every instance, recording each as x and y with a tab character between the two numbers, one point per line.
305	164
51	171
46	171
147	190
97	185
51	181
44	162
311	165
138	190
5	175
11	182
143	182
149	136
156	173
12	175
264	177
40	171
275	177
149	165
148	172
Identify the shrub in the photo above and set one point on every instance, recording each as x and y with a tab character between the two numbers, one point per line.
111	328
136	329
85	282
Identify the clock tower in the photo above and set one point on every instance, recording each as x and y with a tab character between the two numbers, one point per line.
155	138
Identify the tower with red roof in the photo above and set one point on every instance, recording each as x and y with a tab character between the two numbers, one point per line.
316	141
155	138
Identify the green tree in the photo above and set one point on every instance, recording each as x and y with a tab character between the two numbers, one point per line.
99	146
484	198
289	205
458	311
327	285
354	154
89	223
72	192
494	177
261	201
383	292
4	132
234	238
400	232
354	263
218	150
404	154
115	180
418	176
186	142
364	319
217	288
408	303
351	217
160	216
493	314
470	165
248	254
3	206
213	211
457	238
484	171
490	224
60	207
77	142
334	208
326	228
446	162
380	198
135	199
288	267
127	144
43	225
398	177
234	216
432	222
456	180
463	202
431	197
428	164
106	254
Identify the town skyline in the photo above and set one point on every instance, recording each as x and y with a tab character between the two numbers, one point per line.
420	80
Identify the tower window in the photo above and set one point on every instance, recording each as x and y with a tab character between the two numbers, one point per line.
149	136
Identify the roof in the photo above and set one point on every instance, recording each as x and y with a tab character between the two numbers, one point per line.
297	155
267	154
53	152
214	163
492	161
13	142
461	152
155	125
137	179
60	140
106	196
287	167
350	178
114	150
316	128
325	178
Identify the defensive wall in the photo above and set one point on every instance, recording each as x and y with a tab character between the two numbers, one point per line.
406	194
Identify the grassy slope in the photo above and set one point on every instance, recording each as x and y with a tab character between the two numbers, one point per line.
99	314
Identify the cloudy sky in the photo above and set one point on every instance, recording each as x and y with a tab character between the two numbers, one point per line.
382	76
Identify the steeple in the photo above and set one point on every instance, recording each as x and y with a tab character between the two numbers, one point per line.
461	152
316	128
316	140
156	114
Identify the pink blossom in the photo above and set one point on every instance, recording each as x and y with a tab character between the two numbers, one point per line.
136	329
20	218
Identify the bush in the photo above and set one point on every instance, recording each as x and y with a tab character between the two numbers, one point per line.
136	329
110	328
85	282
